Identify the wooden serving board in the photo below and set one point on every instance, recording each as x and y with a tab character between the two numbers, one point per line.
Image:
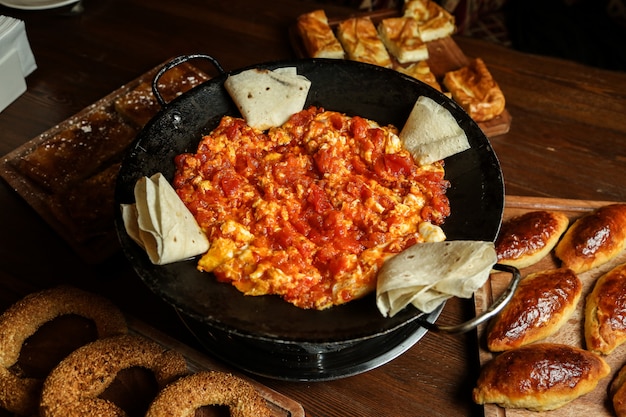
595	403
56	336
444	56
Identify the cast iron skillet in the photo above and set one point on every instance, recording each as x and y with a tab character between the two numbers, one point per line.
220	314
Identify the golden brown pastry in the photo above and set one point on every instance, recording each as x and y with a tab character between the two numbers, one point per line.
542	303
421	71
539	377
360	40
140	105
317	36
617	393
79	151
526	239
402	38
474	88
434	21
605	312
182	397
18	393
594	239
73	388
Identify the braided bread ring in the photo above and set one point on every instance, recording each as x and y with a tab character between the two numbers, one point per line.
73	387
182	397
21	320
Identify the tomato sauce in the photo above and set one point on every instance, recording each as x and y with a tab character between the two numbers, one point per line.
308	210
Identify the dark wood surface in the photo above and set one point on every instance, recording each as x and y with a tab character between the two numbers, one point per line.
567	140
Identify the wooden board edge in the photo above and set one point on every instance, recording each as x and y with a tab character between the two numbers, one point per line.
485	296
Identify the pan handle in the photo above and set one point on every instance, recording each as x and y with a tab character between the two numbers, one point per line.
487	314
175	62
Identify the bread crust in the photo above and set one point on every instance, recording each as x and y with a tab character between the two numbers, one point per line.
21	320
594	239
605	312
542	303
360	40
402	38
434	22
317	36
421	71
474	88
526	239
182	397
72	389
617	393
522	378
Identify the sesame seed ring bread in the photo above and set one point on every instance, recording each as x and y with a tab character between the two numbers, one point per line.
184	396
73	387
20	394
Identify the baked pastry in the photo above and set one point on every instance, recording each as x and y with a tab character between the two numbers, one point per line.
73	388
140	105
317	36
19	393
617	393
78	151
605	312
525	377
434	22
526	239
182	397
474	88
87	209
360	40
542	303
421	71
402	38
594	239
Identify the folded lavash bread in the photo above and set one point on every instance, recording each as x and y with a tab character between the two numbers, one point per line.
427	274
268	98
161	223
431	133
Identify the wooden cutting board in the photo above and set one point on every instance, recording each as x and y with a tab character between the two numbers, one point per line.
595	403
444	56
130	384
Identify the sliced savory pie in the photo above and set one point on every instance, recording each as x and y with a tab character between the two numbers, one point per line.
361	42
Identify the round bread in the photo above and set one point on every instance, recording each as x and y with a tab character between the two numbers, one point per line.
542	303
73	387
20	394
605	312
524	377
526	239
182	397
594	239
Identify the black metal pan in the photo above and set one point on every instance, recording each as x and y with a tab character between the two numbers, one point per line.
265	335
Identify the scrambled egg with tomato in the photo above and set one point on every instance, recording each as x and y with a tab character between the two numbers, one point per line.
309	210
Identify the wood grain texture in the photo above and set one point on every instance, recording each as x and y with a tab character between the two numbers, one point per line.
566	141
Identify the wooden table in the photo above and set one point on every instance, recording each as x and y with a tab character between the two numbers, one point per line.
567	140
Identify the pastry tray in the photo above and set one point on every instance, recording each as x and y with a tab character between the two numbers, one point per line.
595	403
444	56
279	404
101	244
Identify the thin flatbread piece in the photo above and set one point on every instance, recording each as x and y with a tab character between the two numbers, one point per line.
268	98
161	223
426	274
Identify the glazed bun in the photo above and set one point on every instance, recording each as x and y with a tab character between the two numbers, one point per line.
542	303
526	239
530	384
594	239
